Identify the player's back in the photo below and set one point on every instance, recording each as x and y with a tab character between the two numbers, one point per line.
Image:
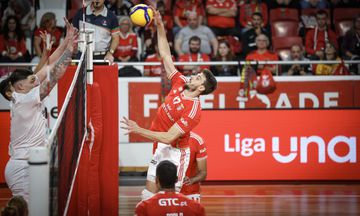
169	203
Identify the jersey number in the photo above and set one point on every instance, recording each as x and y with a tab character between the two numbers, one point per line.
176	100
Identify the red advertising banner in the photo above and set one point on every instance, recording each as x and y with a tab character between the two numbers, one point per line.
144	98
281	144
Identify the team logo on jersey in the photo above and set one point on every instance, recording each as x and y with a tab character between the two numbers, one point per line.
202	150
184	122
104	23
153	162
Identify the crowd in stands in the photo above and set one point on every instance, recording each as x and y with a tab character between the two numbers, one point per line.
205	30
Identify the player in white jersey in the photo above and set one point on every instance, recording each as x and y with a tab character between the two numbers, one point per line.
26	91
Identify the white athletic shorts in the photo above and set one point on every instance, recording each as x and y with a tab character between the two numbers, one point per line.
195	197
17	177
180	157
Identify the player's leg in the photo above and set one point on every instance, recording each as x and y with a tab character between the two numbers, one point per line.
161	153
17	177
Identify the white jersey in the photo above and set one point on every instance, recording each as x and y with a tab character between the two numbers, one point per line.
28	124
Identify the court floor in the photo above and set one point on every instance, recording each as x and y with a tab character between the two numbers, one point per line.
258	199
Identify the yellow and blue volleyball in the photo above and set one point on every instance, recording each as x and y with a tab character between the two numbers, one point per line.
141	15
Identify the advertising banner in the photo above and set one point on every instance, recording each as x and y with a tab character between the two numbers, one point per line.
281	144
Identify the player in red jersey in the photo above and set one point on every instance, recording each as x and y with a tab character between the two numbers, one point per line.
176	117
167	201
197	169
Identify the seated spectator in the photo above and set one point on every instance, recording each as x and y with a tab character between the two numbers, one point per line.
193	56
318	4
296	54
331	69
150	31
317	38
209	43
25	12
48	25
248	38
221	17
283	4
156	70
248	8
120	7
263	54
12	42
351	45
224	54
127	49
16	206
182	10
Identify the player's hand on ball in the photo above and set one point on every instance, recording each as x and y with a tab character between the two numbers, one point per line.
129	125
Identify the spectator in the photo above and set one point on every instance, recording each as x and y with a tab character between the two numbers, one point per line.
105	23
224	54
248	38
283	4
331	69
48	25
127	49
166	177
317	38
12	42
248	8
120	7
318	4
221	17
209	43
296	54
193	56
182	10
351	44
263	54
24	11
150	31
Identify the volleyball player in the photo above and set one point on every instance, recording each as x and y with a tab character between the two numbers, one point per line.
197	170
176	117
26	91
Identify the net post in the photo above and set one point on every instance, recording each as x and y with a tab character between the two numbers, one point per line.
89	57
39	181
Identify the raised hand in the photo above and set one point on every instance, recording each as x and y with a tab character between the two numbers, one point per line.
70	29
129	125
47	44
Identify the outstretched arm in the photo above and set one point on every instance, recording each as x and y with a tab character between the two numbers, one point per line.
163	45
164	137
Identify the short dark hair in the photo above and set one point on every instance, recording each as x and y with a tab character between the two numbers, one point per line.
4	87
195	38
210	83
19	74
322	12
166	172
257	14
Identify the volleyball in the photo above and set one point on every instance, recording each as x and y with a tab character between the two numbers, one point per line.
141	15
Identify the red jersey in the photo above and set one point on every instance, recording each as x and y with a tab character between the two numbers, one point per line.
221	21
55	37
316	40
169	203
12	46
128	45
197	152
177	109
193	57
266	56
247	10
184	7
154	70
